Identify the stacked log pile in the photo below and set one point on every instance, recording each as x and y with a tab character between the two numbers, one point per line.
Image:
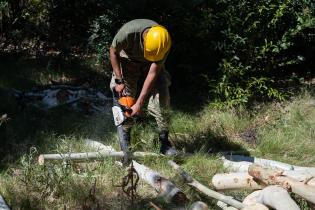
271	179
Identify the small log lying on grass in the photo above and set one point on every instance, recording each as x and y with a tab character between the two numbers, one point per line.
232	166
163	186
234	181
273	196
260	161
275	177
3	205
211	193
98	146
83	156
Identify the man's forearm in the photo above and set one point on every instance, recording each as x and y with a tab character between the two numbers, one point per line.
149	82
114	60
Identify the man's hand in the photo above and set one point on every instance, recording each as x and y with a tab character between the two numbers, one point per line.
119	88
136	109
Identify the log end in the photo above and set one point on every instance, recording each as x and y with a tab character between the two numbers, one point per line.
41	160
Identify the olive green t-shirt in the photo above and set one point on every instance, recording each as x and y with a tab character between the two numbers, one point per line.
128	40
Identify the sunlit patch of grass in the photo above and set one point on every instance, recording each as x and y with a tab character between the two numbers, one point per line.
291	138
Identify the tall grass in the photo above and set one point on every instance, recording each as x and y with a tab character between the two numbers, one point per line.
282	131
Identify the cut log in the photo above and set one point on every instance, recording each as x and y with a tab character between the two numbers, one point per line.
83	156
234	181
232	166
163	186
98	146
306	176
260	161
275	177
211	193
3	205
198	205
274	196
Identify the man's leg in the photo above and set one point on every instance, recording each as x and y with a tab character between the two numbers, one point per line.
159	108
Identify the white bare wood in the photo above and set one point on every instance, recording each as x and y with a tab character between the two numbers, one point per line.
260	161
200	187
83	156
234	181
98	146
224	206
275	177
256	206
162	185
273	196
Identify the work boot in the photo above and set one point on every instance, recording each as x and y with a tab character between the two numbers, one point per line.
166	147
124	141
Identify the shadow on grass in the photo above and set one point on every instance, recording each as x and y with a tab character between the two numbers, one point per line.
207	142
29	126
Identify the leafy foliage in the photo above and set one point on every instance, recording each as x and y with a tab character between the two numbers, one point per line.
229	51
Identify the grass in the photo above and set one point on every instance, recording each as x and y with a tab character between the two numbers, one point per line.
281	131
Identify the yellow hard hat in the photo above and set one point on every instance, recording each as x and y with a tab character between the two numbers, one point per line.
157	42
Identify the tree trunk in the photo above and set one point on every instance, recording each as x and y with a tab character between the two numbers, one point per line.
162	185
273	196
275	177
232	181
213	194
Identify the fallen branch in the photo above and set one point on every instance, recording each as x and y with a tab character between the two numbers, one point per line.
167	189
273	196
275	177
211	193
83	156
3	205
234	181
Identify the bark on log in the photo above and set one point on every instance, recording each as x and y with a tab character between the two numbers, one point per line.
234	181
3	205
162	185
274	196
83	156
211	193
198	205
274	177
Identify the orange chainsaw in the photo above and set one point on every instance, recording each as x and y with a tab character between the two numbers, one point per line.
123	110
